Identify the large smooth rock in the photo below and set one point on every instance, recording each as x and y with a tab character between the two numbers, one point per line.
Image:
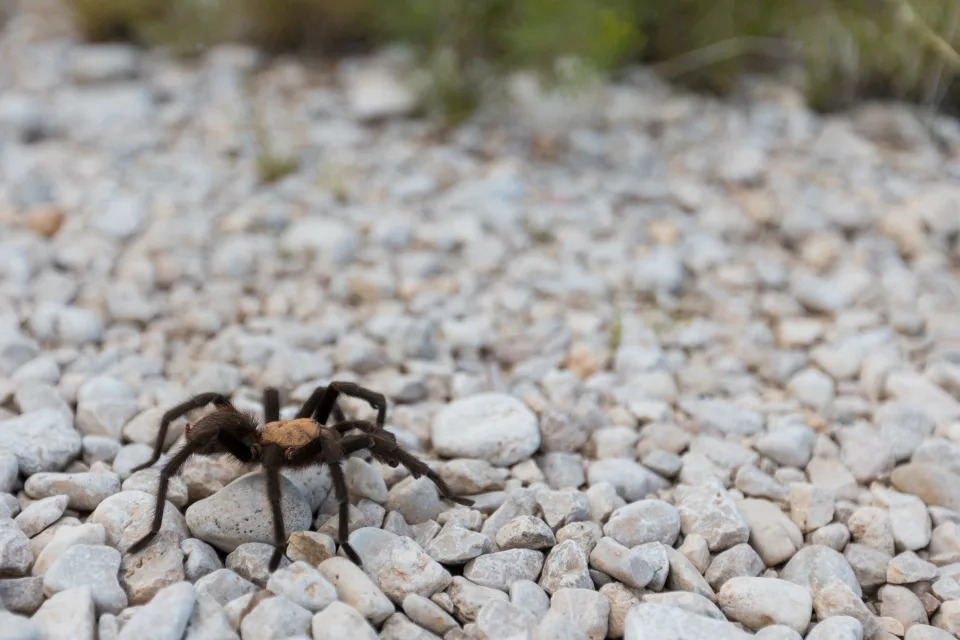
491	426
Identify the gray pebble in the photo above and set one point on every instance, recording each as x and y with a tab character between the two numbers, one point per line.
21	595
216	519
65	537
621	563
498	570
84	490
566	566
68	614
683	576
490	426
632	481
41	514
664	622
525	532
200	559
837	628
457	545
655	555
93	565
740	560
398	565
588	610
251	560
165	617
127	517
562	507
15	627
223	585
42	440
642	522
15	554
302	584
146	572
416	499
356	589
709	511
817	564
468	598
501	619
400	627
529	596
756	602
428	614
341	621
276	619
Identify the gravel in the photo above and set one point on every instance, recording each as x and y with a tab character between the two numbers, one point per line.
693	359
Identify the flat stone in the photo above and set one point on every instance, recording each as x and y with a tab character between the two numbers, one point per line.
632	481
302	584
642	522
816	565
398	565
159	565
356	589
65	537
43	440
566	566
664	622
908	567
41	514
428	614
588	610
68	614
92	565
498	570
223	585
708	510
128	515
21	595
165	617
525	532
340	621
276	619
621	563
683	576
739	560
490	426
216	519
457	545
775	537
932	483
469	598
756	602
85	491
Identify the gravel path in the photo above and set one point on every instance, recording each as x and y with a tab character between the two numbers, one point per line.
697	362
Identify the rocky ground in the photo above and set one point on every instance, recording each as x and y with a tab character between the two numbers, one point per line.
697	362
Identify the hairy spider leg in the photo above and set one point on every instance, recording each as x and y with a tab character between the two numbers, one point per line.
170	468
385	447
272	461
309	407
329	400
271	405
219	400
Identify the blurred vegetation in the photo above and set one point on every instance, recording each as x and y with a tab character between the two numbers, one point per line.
846	49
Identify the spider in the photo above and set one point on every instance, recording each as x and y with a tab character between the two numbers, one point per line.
300	442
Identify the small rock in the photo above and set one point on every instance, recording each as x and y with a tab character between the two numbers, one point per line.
251	560
756	602
621	600
837	628
65	537
692	602
356	589
416	499
224	586
632	481
663	622
588	610
85	491
68	614
869	565
200	559
145	573
21	595
14	627
165	617
498	570
43	440
341	621
737	561
93	565
500	619
655	555
302	584
566	566
621	563
277	619
457	545
469	598
775	537
400	627
642	522
816	565
932	483
908	567
104	405
41	514
209	621
398	565
128	515
683	576
491	426
216	519
528	595
709	511
834	598
525	532
428	614
15	554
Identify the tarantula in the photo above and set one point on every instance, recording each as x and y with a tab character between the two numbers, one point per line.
300	442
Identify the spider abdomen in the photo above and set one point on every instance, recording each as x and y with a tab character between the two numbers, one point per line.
290	433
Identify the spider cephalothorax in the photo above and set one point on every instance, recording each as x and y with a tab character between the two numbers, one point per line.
300	442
